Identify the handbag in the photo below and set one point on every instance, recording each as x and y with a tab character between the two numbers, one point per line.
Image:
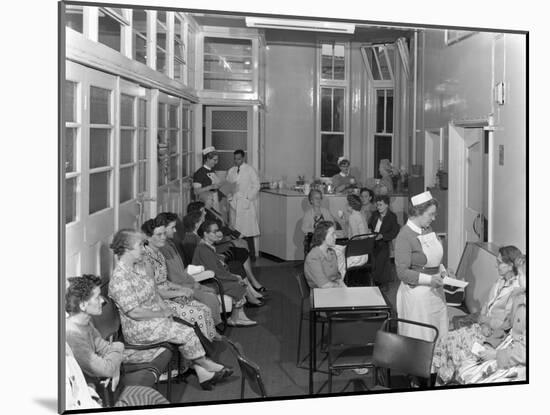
207	345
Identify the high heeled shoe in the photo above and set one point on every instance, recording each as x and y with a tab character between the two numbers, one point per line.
226	372
261	289
207	384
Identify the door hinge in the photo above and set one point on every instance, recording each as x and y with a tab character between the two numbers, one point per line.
500	93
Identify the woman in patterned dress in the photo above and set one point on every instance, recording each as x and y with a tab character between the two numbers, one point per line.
452	350
178	298
144	315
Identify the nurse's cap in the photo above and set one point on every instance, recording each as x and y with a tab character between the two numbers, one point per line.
208	150
421	198
342	159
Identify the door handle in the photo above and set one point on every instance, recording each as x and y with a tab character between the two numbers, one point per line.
474	225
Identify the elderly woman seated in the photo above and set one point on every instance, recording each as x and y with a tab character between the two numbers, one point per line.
180	299
457	346
97	357
321	264
234	285
231	244
145	317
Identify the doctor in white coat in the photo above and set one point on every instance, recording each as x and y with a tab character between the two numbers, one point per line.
243	215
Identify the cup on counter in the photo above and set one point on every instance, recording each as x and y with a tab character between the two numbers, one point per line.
281	184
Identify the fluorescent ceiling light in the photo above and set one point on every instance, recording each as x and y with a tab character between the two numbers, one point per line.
307	25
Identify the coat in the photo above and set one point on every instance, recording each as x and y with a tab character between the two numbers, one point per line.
389	228
244	217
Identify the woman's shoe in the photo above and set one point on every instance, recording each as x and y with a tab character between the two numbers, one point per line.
207	384
226	372
262	289
258	304
241	323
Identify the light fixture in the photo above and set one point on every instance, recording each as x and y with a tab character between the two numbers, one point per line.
307	25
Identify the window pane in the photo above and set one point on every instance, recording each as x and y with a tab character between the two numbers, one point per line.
70	149
225	160
185	141
389	111
178	38
161	36
100	147
70	101
100	105
338	110
71	188
326	61
383	63
108	31
339	62
161	16
380	101
229	140
232	47
185	118
332	147
173	116
100	191
73	18
373	64
126	184
178	70
142	145
139	21
229	120
162	115
161	61
230	65
126	110
126	146
185	165
326	109
142	113
223	84
382	150
142	177
173	141
139	49
174	167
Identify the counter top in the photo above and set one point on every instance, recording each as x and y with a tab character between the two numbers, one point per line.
296	193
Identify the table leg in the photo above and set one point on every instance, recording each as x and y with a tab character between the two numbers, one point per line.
312	335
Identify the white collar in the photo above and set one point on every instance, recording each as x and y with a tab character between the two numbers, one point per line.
344	175
206	167
414	227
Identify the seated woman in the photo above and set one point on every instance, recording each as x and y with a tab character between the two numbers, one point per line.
384	223
176	270
234	286
231	245
504	353
456	347
178	298
321	264
313	216
80	395
368	207
344	180
144	315
96	356
356	223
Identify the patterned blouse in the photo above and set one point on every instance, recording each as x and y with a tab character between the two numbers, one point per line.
158	264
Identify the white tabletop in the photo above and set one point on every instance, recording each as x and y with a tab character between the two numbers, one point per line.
347	297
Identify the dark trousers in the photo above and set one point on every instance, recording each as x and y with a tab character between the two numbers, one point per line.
382	267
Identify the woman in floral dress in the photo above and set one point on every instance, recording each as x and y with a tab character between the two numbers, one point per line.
145	317
178	298
455	348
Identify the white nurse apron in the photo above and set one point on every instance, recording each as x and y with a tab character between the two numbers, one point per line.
423	303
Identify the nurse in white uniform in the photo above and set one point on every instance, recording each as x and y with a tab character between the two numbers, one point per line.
418	254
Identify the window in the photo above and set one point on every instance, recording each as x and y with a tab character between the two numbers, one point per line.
128	156
110	23
139	36
454	36
186	150
380	61
74	17
73	129
142	146
180	50
333	112
168	143
228	65
228	131
383	136
162	41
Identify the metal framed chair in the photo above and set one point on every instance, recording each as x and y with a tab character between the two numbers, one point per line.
250	371
359	245
406	355
351	339
304	291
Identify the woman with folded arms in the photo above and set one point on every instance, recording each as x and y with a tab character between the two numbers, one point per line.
144	315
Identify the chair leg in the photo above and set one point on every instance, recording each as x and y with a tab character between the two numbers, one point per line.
299	338
242	386
169	383
329	380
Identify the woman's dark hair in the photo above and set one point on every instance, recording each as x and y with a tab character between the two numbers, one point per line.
354	201
205	227
80	289
510	255
239	151
320	232
311	192
164	218
122	241
421	208
191	219
194	206
148	227
366	189
382	198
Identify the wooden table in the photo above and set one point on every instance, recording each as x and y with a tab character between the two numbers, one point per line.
347	299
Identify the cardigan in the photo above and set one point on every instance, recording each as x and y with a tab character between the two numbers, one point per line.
319	269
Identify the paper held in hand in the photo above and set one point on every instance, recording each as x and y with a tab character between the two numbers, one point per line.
453	282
